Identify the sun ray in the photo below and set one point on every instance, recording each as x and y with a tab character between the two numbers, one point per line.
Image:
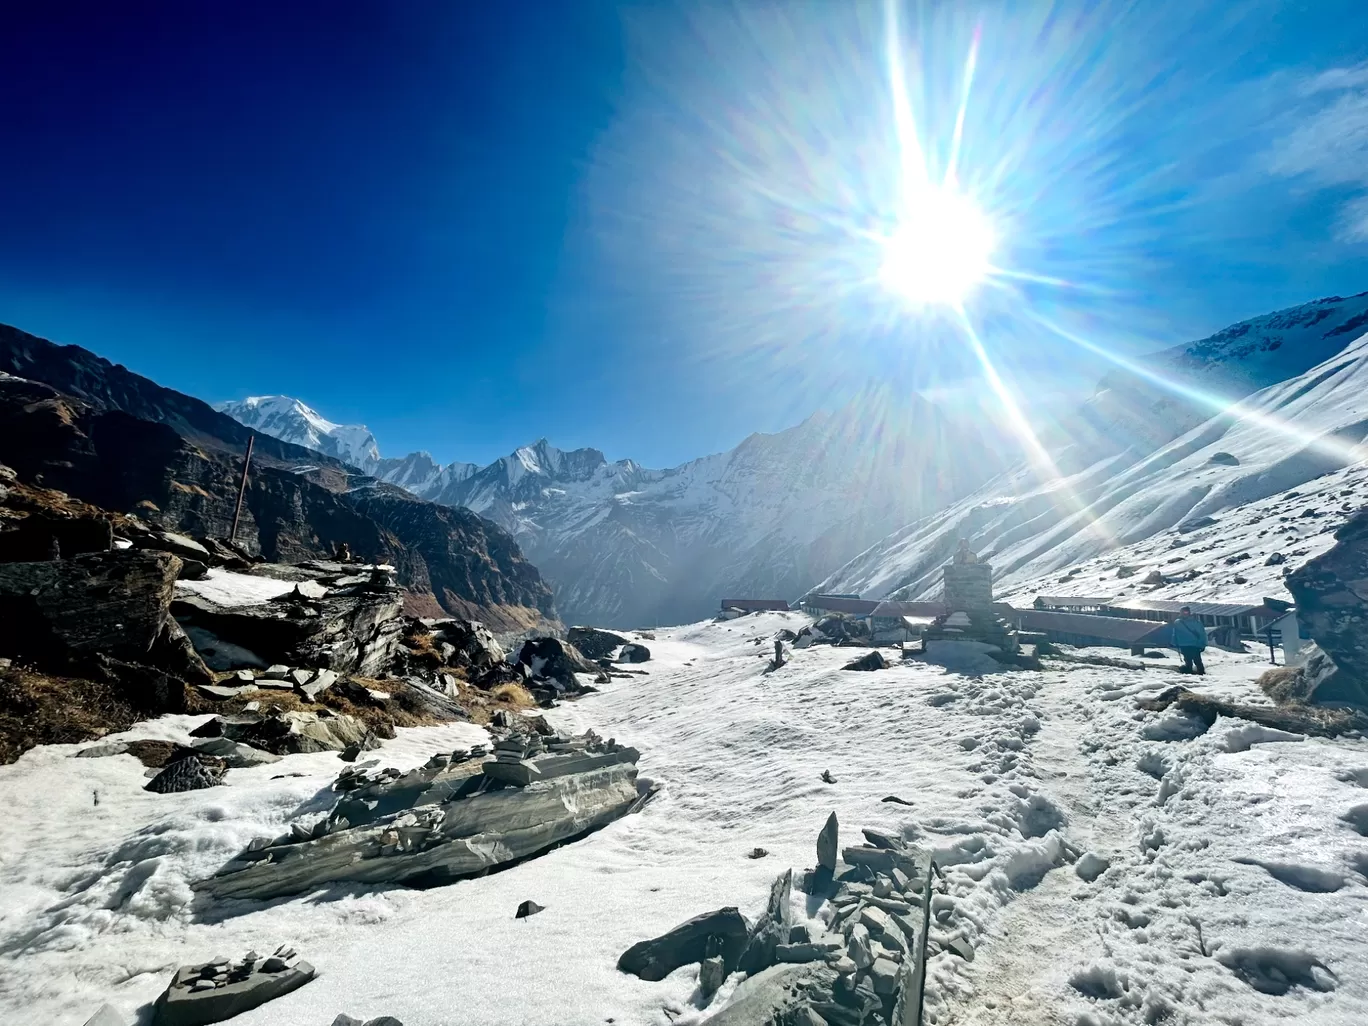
1318	442
952	167
1038	455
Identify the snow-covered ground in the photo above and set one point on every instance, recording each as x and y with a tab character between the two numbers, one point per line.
1235	894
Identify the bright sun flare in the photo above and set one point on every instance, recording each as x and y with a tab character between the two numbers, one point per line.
940	250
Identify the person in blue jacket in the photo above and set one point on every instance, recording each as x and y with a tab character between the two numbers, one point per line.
1189	637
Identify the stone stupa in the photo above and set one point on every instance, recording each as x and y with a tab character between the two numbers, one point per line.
969	613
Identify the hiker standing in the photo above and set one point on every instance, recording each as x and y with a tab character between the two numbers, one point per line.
778	652
1189	637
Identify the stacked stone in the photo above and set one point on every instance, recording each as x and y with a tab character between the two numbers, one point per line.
220	989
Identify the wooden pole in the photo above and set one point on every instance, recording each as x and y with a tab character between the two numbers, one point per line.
242	488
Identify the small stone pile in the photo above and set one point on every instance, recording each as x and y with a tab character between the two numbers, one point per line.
220	989
306	683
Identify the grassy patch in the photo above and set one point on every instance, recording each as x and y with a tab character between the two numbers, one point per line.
36	709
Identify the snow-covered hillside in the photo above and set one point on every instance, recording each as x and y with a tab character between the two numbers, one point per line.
1231	881
1133	411
624	545
292	421
1213	504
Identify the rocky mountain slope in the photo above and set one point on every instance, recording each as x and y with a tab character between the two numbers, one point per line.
625	545
72	421
1208	509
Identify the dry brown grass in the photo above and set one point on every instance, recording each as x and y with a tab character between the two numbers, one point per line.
36	709
1283	684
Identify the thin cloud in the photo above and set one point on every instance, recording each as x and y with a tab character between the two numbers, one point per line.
1326	146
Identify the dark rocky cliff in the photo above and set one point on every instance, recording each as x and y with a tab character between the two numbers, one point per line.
129	445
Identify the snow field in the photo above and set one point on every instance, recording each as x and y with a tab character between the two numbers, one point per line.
1232	871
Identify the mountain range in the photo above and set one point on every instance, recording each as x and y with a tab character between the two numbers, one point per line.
626	545
873	497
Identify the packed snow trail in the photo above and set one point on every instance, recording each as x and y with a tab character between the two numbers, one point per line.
1008	776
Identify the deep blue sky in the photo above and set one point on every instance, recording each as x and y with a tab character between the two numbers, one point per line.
469	225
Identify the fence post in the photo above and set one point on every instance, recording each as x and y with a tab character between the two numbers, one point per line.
242	488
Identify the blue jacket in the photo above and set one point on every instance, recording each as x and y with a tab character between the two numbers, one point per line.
1188	632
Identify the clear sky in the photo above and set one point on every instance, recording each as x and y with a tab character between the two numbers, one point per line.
645	226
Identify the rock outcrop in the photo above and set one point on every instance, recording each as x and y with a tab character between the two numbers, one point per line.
595	643
459	815
125	444
345	619
57	612
865	967
218	990
1331	594
719	934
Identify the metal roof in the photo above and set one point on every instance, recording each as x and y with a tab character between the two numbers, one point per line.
888	608
1110	628
856	607
1199	608
754	605
1073	600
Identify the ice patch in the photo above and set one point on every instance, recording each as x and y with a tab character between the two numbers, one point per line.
226	588
1242	736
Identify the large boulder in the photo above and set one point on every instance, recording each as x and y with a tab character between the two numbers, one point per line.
872	660
723	932
289	733
189	774
778	995
459	815
1331	593
472	642
634	653
595	643
353	626
105	614
554	660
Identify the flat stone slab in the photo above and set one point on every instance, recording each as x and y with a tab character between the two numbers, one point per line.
208	993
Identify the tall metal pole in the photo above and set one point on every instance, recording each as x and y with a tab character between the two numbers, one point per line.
242	488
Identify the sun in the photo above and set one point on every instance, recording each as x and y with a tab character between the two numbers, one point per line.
940	251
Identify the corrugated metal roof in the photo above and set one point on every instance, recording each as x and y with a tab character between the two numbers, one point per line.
1110	628
1199	608
1073	600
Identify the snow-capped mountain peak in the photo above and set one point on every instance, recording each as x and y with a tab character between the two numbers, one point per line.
293	421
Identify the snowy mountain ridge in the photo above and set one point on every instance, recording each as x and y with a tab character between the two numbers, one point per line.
628	545
292	421
1130	410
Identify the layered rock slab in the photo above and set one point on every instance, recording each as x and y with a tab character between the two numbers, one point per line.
447	820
